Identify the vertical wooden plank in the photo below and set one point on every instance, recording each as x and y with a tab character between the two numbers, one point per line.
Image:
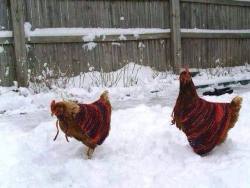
39	14
75	60
175	35
2	66
17	13
10	57
4	15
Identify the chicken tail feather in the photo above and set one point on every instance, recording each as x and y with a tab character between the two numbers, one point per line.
105	96
235	106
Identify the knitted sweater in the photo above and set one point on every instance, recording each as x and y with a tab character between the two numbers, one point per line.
94	120
205	123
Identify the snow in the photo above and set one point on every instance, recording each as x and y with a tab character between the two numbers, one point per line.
88	33
1	49
89	46
4	34
122	37
116	44
142	83
196	30
142	150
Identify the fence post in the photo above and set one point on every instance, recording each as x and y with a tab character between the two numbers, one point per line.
17	15
175	35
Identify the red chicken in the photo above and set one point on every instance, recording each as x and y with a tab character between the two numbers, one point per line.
205	124
88	123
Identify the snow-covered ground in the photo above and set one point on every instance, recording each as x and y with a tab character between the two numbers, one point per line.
142	150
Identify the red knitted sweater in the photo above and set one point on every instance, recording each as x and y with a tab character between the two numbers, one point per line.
94	120
205	123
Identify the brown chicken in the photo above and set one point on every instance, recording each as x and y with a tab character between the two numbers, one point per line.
88	123
205	124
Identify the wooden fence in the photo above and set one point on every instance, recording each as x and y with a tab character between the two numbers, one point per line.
222	37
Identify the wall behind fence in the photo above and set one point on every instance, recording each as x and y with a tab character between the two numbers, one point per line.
162	51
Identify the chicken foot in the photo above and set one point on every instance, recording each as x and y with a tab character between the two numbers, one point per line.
90	152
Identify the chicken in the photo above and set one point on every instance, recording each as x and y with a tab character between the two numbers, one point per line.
205	124
87	123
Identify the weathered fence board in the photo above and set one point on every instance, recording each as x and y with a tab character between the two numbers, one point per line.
212	34
205	48
214	16
98	13
221	2
19	41
6	65
5	15
105	56
106	38
210	53
175	35
6	50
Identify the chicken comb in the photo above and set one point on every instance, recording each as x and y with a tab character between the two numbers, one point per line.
186	67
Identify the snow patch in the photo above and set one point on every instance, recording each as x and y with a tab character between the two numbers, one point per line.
27	30
122	37
196	30
7	71
4	34
141	45
1	49
88	38
90	46
89	34
116	44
